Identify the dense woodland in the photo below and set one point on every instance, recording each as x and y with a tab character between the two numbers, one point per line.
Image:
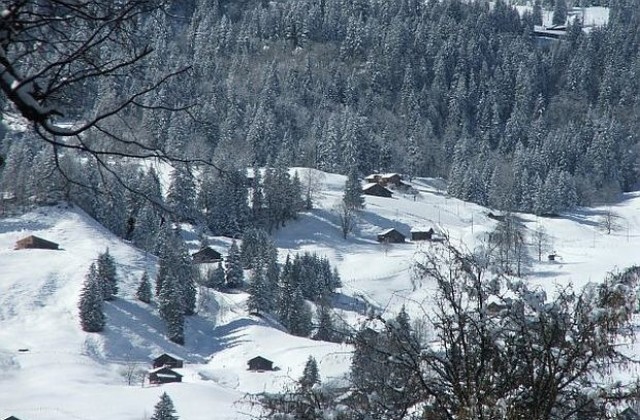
451	89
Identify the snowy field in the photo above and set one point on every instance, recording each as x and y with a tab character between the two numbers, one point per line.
50	369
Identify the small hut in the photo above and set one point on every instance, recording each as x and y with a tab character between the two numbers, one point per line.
34	242
259	363
164	375
421	234
391	236
168	360
376	190
206	255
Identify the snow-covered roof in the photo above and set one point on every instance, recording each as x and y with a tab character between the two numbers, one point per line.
167	371
420	229
370	185
384	232
390	175
158	355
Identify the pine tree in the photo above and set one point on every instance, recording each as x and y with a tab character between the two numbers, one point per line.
353	197
260	298
560	12
181	194
92	318
107	275
164	409
325	331
234	275
215	277
143	293
299	322
310	375
171	306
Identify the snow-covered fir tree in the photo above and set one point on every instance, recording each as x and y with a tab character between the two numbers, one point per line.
325	330
353	197
181	194
107	275
144	293
215	278
310	375
234	275
92	318
164	409
171	307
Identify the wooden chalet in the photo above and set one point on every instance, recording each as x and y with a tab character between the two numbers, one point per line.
376	190
421	234
34	242
164	375
206	255
12	418
168	360
391	236
259	363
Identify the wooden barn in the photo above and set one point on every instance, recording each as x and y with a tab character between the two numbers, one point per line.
34	242
259	363
376	190
206	255
164	375
391	236
421	234
168	360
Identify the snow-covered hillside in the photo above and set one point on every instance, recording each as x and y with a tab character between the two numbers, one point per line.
52	370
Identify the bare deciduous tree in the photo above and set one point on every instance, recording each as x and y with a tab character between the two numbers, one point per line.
54	52
347	216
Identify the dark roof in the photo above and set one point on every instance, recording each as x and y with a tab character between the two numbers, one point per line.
376	189
167	356
206	254
260	359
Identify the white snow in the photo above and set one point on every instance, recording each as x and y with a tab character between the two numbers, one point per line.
50	369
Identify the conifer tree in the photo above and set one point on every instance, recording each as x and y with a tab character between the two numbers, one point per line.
144	293
164	409
181	194
560	12
325	331
310	375
92	318
215	277
234	275
107	275
299	321
171	306
260	298
353	197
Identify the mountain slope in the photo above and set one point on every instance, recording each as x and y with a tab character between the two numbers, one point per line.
67	373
